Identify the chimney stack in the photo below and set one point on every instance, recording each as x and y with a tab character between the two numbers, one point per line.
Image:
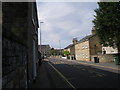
75	41
93	30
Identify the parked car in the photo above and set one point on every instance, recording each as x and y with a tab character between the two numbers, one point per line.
64	57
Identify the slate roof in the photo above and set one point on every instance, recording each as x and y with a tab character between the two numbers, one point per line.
81	40
69	46
85	38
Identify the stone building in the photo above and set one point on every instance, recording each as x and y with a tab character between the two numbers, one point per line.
71	49
19	44
109	50
87	46
67	48
45	50
107	55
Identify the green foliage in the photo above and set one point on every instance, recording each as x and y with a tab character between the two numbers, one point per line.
107	23
55	51
67	53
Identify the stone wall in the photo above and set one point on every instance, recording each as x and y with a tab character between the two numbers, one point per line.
32	43
14	56
95	46
19	44
14	46
0	45
103	58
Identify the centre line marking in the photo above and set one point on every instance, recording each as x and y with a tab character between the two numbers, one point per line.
62	76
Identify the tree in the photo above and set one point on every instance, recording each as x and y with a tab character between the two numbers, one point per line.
67	53
54	51
107	24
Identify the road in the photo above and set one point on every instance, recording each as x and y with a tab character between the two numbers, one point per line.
84	76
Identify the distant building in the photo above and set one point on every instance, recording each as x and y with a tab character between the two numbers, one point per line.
109	50
71	49
45	50
68	47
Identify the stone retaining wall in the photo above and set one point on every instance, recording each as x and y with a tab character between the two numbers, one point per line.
14	57
103	58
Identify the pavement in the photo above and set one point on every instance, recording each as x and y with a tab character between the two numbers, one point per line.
47	77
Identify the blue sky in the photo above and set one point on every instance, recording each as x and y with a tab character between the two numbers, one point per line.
64	21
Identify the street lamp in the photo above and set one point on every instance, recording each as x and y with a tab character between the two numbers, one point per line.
40	37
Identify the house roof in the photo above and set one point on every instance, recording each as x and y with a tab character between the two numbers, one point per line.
85	38
69	46
81	40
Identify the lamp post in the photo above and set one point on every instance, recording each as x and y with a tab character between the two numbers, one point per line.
40	38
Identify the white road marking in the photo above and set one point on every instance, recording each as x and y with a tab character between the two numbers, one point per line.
62	76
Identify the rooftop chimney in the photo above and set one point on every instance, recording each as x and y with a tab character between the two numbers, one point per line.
75	41
93	30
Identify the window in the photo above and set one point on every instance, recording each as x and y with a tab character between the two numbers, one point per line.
82	46
86	55
83	55
86	46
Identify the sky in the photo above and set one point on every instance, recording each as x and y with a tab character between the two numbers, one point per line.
64	21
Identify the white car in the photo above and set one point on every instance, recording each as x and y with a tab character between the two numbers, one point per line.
64	57
45	56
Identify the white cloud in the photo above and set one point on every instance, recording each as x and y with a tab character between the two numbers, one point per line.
71	0
52	39
63	21
53	10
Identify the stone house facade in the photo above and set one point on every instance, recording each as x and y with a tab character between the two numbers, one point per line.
87	46
82	51
19	44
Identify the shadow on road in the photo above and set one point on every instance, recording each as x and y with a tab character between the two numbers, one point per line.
82	76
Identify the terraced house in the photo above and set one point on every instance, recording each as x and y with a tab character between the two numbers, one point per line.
87	46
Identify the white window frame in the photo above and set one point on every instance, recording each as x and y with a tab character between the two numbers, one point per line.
86	55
